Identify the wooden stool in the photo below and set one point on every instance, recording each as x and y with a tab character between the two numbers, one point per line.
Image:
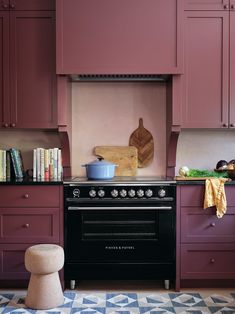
44	290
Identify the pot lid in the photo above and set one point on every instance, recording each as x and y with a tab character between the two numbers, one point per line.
100	162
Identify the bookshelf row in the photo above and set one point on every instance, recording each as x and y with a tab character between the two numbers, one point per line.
47	164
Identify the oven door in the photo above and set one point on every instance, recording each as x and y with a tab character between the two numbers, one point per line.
124	234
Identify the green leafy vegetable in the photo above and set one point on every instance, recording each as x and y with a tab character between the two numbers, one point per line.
207	173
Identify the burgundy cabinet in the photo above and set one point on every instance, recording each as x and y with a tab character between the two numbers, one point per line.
206	243
119	37
208	96
27	218
28	79
206	4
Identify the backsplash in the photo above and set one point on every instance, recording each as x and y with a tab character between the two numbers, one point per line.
107	113
204	148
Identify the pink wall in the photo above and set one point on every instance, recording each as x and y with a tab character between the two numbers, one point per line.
107	113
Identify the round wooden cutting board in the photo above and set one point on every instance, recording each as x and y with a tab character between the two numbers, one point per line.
142	139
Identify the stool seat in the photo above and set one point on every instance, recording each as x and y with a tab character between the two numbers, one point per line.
44	289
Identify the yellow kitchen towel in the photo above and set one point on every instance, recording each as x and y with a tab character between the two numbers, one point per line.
215	195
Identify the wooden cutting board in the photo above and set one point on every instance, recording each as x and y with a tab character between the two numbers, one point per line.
142	139
179	178
126	157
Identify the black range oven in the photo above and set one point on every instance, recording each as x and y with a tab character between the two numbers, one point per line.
120	230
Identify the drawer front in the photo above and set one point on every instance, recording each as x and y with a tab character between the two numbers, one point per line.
202	225
12	261
29	226
193	195
30	196
207	261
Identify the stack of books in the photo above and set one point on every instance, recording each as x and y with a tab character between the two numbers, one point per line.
47	164
11	164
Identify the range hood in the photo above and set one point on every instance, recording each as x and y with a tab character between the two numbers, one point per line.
119	77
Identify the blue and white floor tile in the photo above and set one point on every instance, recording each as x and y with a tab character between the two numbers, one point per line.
127	303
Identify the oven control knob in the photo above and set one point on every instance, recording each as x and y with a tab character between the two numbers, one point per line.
140	193
101	193
148	193
123	193
114	193
161	193
131	193
76	193
92	193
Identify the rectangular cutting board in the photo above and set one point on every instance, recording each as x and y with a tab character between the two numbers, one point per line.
126	157
178	178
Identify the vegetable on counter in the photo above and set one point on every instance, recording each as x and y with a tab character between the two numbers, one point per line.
187	172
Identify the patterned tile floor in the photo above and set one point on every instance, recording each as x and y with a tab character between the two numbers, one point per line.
127	303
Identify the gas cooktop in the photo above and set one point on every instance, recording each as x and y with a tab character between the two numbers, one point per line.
121	180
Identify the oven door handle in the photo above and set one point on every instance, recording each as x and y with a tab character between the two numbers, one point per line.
120	208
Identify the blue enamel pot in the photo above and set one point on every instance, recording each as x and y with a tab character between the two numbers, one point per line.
100	169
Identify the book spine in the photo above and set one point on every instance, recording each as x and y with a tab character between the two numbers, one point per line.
4	163
19	163
13	159
42	163
38	163
35	164
8	165
1	164
55	163
51	164
46	162
59	175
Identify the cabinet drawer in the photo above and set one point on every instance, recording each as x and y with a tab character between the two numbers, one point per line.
30	196
27	225
208	261
12	261
193	195
202	225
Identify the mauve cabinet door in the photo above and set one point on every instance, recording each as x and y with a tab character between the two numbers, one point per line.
206	4
208	261
232	67
12	261
206	79
4	69
32	69
33	4
29	225
119	37
27	196
200	225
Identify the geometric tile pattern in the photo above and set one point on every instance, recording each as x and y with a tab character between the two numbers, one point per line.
127	303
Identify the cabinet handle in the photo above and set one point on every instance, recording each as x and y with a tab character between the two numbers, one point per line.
213	224
225	125
226	6
5	125
232	6
13	125
12	6
5	6
26	225
26	195
212	260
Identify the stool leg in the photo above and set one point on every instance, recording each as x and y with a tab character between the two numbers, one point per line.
44	292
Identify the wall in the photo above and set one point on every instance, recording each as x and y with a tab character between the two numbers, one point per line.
107	113
204	148
26	141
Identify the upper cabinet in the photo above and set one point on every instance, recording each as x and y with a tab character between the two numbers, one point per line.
28	78
119	37
209	79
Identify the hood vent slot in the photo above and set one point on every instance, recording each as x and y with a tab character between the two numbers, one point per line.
119	77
